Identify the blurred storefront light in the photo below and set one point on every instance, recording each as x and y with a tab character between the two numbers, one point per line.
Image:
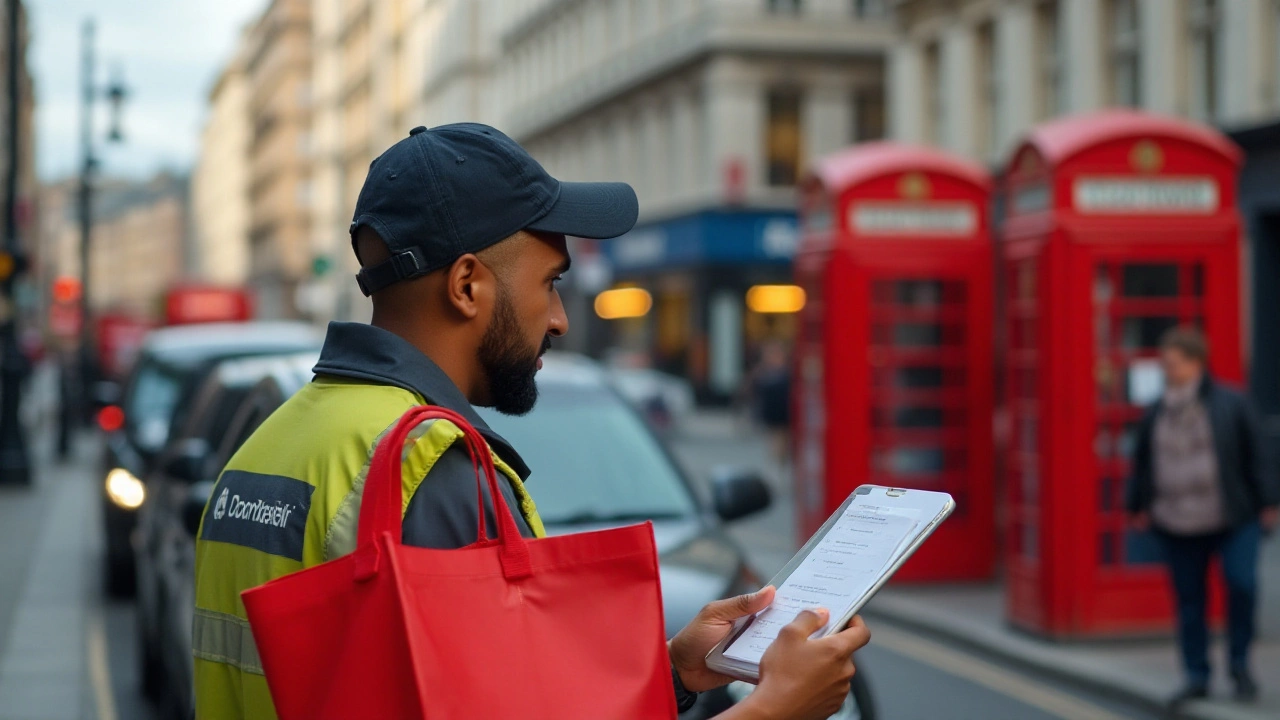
775	298
622	303
124	489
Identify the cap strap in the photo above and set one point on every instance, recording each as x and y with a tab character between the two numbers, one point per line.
403	265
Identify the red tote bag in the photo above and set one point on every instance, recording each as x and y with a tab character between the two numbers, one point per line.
561	627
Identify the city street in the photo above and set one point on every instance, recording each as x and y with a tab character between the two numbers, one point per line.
68	653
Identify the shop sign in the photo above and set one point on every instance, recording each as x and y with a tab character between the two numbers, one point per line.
913	218
1146	195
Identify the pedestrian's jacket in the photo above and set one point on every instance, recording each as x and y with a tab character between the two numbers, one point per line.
1247	476
290	497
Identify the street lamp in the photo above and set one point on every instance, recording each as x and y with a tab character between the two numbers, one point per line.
75	398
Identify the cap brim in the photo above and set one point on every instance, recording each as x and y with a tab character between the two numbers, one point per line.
596	210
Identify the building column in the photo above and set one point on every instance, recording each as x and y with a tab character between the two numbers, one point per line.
1082	22
959	89
735	123
1162	28
1241	76
906	92
1019	59
827	115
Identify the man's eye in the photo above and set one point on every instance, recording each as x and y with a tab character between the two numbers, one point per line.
556	280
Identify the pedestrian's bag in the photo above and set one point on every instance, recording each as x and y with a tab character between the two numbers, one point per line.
560	627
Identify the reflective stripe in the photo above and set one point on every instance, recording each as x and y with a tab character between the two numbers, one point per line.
340	536
223	638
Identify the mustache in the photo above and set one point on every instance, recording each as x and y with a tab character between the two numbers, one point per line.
546	345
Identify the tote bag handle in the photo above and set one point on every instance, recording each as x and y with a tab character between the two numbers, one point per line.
383	496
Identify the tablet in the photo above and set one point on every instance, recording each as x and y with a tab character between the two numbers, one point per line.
840	568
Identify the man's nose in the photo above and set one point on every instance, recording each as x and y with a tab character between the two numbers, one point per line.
559	324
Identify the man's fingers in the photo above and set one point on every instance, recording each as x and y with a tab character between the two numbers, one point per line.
852	638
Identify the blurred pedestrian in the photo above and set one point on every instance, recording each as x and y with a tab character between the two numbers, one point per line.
771	398
460	236
1202	482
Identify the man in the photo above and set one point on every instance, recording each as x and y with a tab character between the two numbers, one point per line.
460	235
1202	482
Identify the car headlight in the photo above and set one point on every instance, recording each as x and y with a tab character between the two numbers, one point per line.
125	490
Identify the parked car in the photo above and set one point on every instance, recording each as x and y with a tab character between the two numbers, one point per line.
138	421
177	488
664	400
616	472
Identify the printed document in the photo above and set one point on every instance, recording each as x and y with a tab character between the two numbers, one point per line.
840	570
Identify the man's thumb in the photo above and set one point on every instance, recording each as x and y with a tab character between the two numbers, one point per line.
736	607
809	622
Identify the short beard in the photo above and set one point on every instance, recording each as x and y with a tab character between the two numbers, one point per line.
508	365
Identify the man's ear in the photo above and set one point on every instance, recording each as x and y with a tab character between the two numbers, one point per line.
469	286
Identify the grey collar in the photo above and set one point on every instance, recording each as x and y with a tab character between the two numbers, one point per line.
365	352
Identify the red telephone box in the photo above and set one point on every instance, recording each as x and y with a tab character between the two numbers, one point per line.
1119	226
893	377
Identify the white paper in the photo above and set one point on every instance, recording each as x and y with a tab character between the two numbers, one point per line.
1146	381
839	571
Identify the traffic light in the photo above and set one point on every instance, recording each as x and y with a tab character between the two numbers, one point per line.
66	289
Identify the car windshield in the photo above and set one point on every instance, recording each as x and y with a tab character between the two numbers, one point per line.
593	459
151	402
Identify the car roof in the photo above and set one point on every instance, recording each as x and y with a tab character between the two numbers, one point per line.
196	343
293	369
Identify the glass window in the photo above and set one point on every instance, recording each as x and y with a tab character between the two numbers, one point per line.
988	91
1051	63
935	120
1203	21
869	9
1149	281
784	137
868	114
148	409
617	470
1125	53
784	7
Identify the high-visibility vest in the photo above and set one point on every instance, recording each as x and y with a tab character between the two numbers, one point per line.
290	499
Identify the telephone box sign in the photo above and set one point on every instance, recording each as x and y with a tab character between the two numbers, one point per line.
1124	195
913	218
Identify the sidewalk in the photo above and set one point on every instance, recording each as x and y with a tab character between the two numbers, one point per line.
52	659
1143	671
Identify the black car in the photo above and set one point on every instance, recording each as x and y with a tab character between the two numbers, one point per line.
217	422
170	366
617	472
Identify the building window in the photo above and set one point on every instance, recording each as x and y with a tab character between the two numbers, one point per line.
988	91
1203	22
868	114
1052	85
868	9
784	139
784	7
935	121
1125	55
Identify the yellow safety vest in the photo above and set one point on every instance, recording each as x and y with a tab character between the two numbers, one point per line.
294	488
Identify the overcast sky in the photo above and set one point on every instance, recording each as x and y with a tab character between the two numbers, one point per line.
169	52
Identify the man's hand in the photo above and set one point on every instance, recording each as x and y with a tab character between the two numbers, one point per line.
689	648
804	679
1269	517
1140	521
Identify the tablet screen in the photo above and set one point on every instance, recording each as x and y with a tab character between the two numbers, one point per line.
844	565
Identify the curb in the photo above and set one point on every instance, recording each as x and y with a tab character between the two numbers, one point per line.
913	615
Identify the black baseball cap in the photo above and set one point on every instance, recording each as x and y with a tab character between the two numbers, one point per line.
450	190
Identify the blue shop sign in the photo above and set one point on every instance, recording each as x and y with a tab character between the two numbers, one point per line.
711	237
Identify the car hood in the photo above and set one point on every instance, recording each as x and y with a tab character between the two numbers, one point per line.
697	563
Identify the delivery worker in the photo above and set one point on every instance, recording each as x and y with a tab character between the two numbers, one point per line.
460	236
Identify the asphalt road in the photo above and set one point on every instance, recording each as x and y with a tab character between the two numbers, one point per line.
912	677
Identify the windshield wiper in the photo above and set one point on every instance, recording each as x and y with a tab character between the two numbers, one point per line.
594	517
